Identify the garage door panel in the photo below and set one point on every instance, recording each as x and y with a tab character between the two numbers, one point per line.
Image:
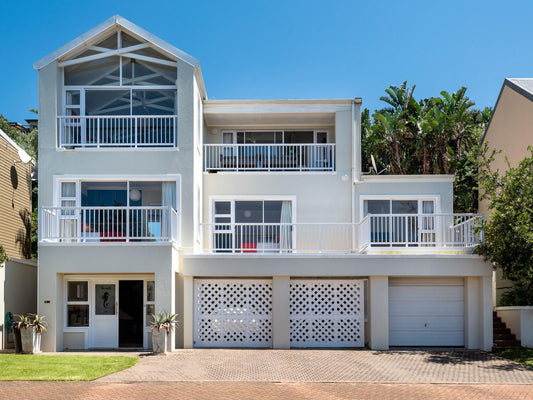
422	293
417	338
427	323
426	313
422	308
326	313
232	313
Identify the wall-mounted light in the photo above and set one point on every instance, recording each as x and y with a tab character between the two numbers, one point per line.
247	213
345	178
214	131
135	195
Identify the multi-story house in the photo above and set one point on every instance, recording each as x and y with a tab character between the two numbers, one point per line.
250	219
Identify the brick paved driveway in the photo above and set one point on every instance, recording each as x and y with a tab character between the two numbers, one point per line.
298	374
325	366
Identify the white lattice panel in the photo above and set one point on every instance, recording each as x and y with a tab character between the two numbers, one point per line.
326	313
232	313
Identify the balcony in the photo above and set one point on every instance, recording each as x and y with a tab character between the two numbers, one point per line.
117	131
309	157
104	225
419	233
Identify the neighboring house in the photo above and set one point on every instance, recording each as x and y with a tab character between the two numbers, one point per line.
251	219
510	131
18	276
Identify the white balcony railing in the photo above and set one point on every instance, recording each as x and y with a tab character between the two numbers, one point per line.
117	131
426	232
108	224
422	230
269	157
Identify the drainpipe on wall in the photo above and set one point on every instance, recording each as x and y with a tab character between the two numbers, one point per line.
356	163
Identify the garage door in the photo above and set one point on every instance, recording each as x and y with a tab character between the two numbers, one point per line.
326	313
426	312
232	313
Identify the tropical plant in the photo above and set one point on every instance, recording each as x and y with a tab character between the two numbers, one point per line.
38	323
159	322
3	255
24	321
171	320
439	135
508	240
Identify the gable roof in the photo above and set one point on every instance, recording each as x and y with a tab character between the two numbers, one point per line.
119	21
523	86
16	146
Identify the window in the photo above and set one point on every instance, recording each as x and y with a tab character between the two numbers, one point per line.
77	304
150	301
250	225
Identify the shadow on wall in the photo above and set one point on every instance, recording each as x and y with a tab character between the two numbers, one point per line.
23	237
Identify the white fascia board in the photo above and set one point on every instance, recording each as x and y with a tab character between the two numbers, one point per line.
16	146
124	23
275	106
407	178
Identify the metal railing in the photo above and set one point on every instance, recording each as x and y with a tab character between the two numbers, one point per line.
428	232
269	157
117	131
423	230
278	238
108	224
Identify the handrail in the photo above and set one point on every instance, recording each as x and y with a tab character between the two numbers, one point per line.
109	224
303	157
98	131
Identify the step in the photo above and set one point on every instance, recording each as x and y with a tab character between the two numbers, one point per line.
508	336
506	343
501	331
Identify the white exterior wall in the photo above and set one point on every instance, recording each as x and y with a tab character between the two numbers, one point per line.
320	197
519	320
18	291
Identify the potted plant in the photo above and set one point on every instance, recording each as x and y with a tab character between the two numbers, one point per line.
172	322
159	327
31	327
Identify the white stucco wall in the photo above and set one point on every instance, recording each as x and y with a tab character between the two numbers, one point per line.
520	321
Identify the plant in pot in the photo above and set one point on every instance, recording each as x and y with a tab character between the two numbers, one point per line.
31	327
159	327
172	322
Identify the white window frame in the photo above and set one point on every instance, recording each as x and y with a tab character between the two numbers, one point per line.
77	303
282	131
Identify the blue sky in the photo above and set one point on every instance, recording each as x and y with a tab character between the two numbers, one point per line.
293	49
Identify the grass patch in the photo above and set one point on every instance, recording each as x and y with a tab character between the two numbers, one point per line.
521	355
27	367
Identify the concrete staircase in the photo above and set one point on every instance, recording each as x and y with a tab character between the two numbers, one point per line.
503	338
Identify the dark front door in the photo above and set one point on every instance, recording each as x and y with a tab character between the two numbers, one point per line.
130	319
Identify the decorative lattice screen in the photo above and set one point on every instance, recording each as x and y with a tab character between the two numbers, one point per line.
326	313
232	313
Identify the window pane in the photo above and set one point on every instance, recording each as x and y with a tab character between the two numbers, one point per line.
78	291
248	211
107	102
104	298
78	315
150	291
104	71
150	309
404	206
137	72
227	137
68	189
273	212
377	207
72	97
103	194
428	207
154	102
222	207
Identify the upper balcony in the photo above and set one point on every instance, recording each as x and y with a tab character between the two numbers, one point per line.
382	234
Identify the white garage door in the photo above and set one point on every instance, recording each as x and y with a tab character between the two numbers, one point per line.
232	313
426	312
326	313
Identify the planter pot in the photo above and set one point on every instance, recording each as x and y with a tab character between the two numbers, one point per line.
159	341
31	341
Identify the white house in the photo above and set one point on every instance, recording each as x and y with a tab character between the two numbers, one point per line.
251	219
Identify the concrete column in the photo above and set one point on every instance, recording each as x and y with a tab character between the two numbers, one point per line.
165	293
188	312
473	315
486	302
280	312
378	312
51	303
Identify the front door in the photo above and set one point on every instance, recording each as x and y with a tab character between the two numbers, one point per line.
130	331
105	315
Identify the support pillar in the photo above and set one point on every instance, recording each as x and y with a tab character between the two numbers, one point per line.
280	312
378	312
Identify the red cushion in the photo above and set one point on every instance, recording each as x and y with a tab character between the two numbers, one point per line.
252	246
112	235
